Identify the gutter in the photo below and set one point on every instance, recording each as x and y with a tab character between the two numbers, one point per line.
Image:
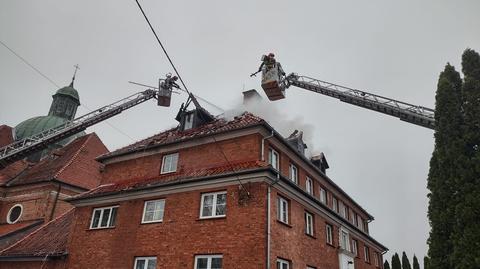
268	204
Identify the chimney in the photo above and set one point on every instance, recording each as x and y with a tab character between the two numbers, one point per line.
296	140
320	162
251	96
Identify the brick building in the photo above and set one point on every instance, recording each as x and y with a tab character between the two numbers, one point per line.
211	193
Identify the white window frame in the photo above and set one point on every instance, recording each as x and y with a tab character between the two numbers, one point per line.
275	165
174	160
309	223
162	202
355	247
293	173
281	263
335	204
329	233
102	211
209	259
323	195
10	212
375	259
188	124
214	205
310	267
344	240
366	252
147	260
342	209
355	219
282	209
309	185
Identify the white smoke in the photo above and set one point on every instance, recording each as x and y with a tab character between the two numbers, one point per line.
280	121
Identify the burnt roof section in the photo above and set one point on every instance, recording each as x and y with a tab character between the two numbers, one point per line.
175	135
50	240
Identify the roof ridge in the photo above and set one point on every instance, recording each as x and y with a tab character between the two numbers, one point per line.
37	230
74	156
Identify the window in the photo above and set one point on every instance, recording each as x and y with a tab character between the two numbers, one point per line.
188	121
365	226
355	219
323	195
367	254
169	163
335	204
14	213
309	186
375	259
145	263
309	223
208	262
213	205
293	174
342	209
282	209
153	211
344	240
104	217
360	224
329	231
311	267
283	264
355	247
273	159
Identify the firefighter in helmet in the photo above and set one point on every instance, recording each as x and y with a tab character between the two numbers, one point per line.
268	61
170	83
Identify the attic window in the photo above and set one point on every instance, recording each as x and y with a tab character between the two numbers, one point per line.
188	121
14	213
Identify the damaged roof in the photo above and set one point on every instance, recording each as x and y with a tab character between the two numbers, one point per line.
174	135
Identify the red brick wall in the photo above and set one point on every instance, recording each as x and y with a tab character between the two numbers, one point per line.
291	243
238	149
240	237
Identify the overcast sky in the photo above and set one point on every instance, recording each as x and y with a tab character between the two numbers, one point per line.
391	48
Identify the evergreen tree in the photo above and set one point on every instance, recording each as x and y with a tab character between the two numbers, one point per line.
442	174
426	263
386	265
396	264
466	235
405	261
416	265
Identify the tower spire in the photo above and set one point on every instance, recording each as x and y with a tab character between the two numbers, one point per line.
74	74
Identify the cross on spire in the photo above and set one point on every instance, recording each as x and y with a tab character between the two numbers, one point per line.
74	74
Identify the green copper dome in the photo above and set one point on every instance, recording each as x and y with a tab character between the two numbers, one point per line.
69	91
39	124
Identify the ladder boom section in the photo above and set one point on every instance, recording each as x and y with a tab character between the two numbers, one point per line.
22	148
418	115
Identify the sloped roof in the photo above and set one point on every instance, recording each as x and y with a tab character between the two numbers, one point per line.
182	176
57	165
6	229
176	135
11	171
49	240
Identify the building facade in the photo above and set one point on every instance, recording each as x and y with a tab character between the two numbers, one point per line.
223	194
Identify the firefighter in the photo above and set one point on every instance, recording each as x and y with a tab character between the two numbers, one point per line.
268	61
170	83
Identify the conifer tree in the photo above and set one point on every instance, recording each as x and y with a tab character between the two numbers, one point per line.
442	174
386	265
416	265
396	264
466	235
426	262
405	261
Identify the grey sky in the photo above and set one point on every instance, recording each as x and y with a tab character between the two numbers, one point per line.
392	48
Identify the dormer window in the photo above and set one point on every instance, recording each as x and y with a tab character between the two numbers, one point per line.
169	163
188	121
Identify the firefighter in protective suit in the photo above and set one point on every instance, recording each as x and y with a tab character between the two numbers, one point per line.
170	83
269	62
165	89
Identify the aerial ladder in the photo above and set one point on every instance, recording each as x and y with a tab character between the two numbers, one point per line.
23	148
274	84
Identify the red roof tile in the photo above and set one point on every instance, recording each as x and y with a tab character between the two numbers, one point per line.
175	135
181	176
57	164
6	229
48	240
11	171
